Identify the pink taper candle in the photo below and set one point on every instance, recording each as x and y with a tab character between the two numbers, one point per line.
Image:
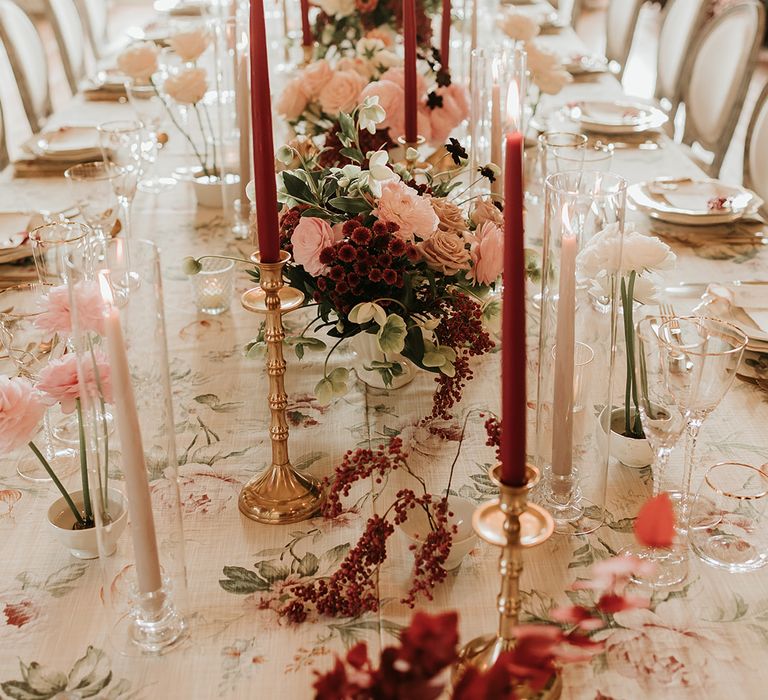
263	147
562	406
411	99
132	452
513	357
445	35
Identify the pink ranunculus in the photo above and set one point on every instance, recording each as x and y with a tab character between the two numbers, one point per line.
309	239
392	101
56	316
403	206
341	93
397	76
21	410
292	101
487	253
315	76
59	381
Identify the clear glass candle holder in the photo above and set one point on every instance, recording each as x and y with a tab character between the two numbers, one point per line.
213	285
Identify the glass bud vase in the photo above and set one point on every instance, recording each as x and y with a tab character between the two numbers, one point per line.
583	236
119	336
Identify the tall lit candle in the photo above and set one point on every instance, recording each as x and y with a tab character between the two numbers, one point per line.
445	35
562	406
132	451
514	356
263	147
306	30
411	99
244	126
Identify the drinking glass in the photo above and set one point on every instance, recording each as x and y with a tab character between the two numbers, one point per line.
663	419
30	348
121	145
704	355
597	158
51	243
737	540
93	187
559	151
213	285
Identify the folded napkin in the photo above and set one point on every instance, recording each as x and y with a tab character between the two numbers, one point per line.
745	305
36	162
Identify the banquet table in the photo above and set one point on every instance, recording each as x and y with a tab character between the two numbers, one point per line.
706	638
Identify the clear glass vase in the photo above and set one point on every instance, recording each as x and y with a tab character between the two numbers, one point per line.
583	234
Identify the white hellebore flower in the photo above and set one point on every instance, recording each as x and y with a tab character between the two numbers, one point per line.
337	8
377	166
368	311
371	114
187	87
189	46
139	61
517	26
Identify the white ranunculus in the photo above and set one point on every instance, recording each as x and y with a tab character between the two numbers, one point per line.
337	8
540	60
139	61
187	87
518	26
551	82
189	46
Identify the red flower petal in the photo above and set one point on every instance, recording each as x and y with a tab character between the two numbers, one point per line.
655	524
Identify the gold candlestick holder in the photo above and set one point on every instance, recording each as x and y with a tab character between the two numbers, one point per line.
308	52
280	494
513	524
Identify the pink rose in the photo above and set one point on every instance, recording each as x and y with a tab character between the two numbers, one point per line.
397	75
356	64
56	316
487	254
315	76
392	101
292	101
21	410
403	206
341	93
309	239
445	252
59	380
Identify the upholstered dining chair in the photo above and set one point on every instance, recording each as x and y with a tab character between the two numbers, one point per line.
26	55
70	38
756	150
716	77
95	16
621	20
681	20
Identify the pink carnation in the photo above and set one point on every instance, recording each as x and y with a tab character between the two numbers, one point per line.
56	315
59	381
292	101
392	101
403	206
309	238
21	410
487	254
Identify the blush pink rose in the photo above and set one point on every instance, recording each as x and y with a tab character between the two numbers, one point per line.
401	205
397	75
59	381
356	64
309	239
21	410
392	101
315	76
341	93
487	254
292	101
56	315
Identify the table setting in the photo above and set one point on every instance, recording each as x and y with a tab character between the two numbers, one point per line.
377	350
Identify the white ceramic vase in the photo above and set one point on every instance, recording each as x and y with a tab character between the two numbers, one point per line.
82	543
367	351
631	452
211	194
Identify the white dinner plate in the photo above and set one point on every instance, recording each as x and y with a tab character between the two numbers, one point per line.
616	117
69	143
692	201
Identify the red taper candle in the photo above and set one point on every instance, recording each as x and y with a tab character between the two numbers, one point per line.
513	350
445	35
263	148
306	30
411	100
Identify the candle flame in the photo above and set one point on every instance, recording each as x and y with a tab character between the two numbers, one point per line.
513	105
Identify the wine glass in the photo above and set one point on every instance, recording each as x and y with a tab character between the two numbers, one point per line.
121	148
51	243
704	355
663	419
30	348
94	187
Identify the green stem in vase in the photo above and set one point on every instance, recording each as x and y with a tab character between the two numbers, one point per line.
57	483
204	161
83	464
628	382
213	138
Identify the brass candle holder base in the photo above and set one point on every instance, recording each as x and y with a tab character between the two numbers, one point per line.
281	494
514	525
308	51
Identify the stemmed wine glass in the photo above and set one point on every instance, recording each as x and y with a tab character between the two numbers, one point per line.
51	243
704	355
94	187
663	419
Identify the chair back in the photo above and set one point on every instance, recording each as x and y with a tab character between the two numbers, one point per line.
681	20
621	20
70	37
95	18
756	150
28	62
716	77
